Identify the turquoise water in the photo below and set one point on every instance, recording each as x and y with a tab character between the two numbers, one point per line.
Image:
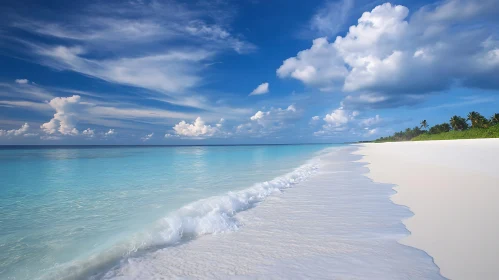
81	209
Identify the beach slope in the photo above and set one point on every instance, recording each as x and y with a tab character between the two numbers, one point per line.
452	187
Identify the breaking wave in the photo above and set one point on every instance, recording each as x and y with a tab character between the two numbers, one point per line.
206	216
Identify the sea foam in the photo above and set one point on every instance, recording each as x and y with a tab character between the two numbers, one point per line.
336	225
206	216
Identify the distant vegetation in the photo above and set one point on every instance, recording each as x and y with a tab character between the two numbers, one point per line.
457	128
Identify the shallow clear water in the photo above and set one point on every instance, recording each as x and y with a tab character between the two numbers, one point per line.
61	206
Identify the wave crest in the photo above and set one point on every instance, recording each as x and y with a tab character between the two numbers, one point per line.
206	216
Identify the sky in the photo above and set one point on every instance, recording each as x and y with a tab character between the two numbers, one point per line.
241	72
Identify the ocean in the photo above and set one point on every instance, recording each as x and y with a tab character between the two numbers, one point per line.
76	212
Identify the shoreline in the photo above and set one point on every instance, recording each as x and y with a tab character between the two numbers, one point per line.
338	223
207	216
451	187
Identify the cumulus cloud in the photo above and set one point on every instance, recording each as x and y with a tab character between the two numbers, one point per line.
258	115
110	132
263	123
197	129
261	89
315	118
337	121
65	118
88	133
342	120
16	132
319	66
22	81
147	137
340	117
221	122
390	57
125	44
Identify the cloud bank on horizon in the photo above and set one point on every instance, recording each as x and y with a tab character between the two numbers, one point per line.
127	72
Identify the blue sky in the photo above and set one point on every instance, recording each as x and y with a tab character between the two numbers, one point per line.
229	72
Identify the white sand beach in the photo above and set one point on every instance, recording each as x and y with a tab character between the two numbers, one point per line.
338	224
452	187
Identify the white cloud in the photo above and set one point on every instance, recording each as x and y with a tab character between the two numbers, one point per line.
169	135
15	132
97	109
147	137
141	23
29	91
22	81
110	132
387	55
263	123
217	33
131	113
50	137
261	89
274	116
340	117
258	115
170	72
220	123
26	104
341	121
197	129
315	118
318	66
65	116
371	121
371	132
88	133
136	33
330	18
163	49
30	134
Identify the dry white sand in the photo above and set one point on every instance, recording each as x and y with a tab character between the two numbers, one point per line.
453	189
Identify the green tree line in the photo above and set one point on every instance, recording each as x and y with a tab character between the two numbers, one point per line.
457	128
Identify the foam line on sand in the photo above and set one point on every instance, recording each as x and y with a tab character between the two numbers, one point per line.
452	187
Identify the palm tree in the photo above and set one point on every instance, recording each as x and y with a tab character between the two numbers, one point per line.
494	119
458	123
424	124
474	118
439	128
477	120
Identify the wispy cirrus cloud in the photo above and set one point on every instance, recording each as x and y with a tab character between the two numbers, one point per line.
161	46
26	91
330	18
147	137
160	50
170	72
